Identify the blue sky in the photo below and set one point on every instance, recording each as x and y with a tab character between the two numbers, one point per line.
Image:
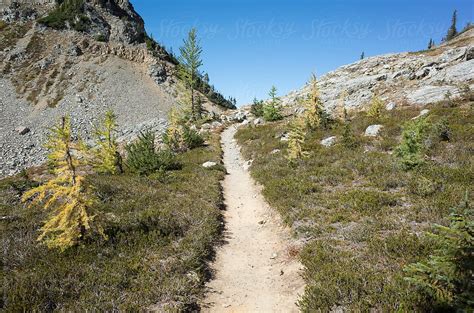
250	45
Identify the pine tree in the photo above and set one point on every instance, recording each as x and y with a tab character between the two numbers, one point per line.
257	108
143	157
66	195
410	150
446	276
107	158
452	31
190	62
362	56
431	44
271	110
348	139
296	139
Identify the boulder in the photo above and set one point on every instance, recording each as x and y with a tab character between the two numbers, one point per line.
216	124
206	126
328	142
22	130
469	54
209	164
373	130
390	106
258	121
422	113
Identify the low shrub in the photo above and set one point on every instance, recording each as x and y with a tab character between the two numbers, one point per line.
271	113
367	201
257	108
445	278
192	138
410	150
70	13
3	25
143	157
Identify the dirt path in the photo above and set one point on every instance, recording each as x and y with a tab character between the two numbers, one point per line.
253	270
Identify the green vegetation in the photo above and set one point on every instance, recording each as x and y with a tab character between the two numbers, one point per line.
271	110
446	277
376	109
144	159
69	13
160	228
10	33
190	62
452	31
65	195
410	151
257	108
363	214
107	158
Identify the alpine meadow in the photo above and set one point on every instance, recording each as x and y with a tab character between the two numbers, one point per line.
327	166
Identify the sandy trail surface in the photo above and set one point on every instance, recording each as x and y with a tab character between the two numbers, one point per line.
254	270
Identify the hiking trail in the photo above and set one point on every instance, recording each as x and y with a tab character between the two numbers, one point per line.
254	270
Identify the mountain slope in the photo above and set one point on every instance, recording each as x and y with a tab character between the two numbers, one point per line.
52	65
406	78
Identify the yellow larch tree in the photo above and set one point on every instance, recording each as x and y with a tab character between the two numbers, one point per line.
313	105
107	158
174	136
296	139
65	196
376	108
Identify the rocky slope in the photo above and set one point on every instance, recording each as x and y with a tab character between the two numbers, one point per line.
416	78
66	67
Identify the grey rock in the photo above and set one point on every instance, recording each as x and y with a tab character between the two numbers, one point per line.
431	94
373	130
258	121
328	142
22	130
209	164
422	113
390	106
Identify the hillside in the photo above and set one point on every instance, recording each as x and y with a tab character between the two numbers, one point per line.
93	57
410	78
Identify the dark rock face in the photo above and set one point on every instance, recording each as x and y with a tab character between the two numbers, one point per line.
107	20
125	24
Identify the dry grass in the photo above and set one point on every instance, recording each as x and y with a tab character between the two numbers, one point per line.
161	230
364	216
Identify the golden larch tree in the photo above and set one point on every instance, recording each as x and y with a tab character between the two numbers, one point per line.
65	195
107	158
313	105
296	139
